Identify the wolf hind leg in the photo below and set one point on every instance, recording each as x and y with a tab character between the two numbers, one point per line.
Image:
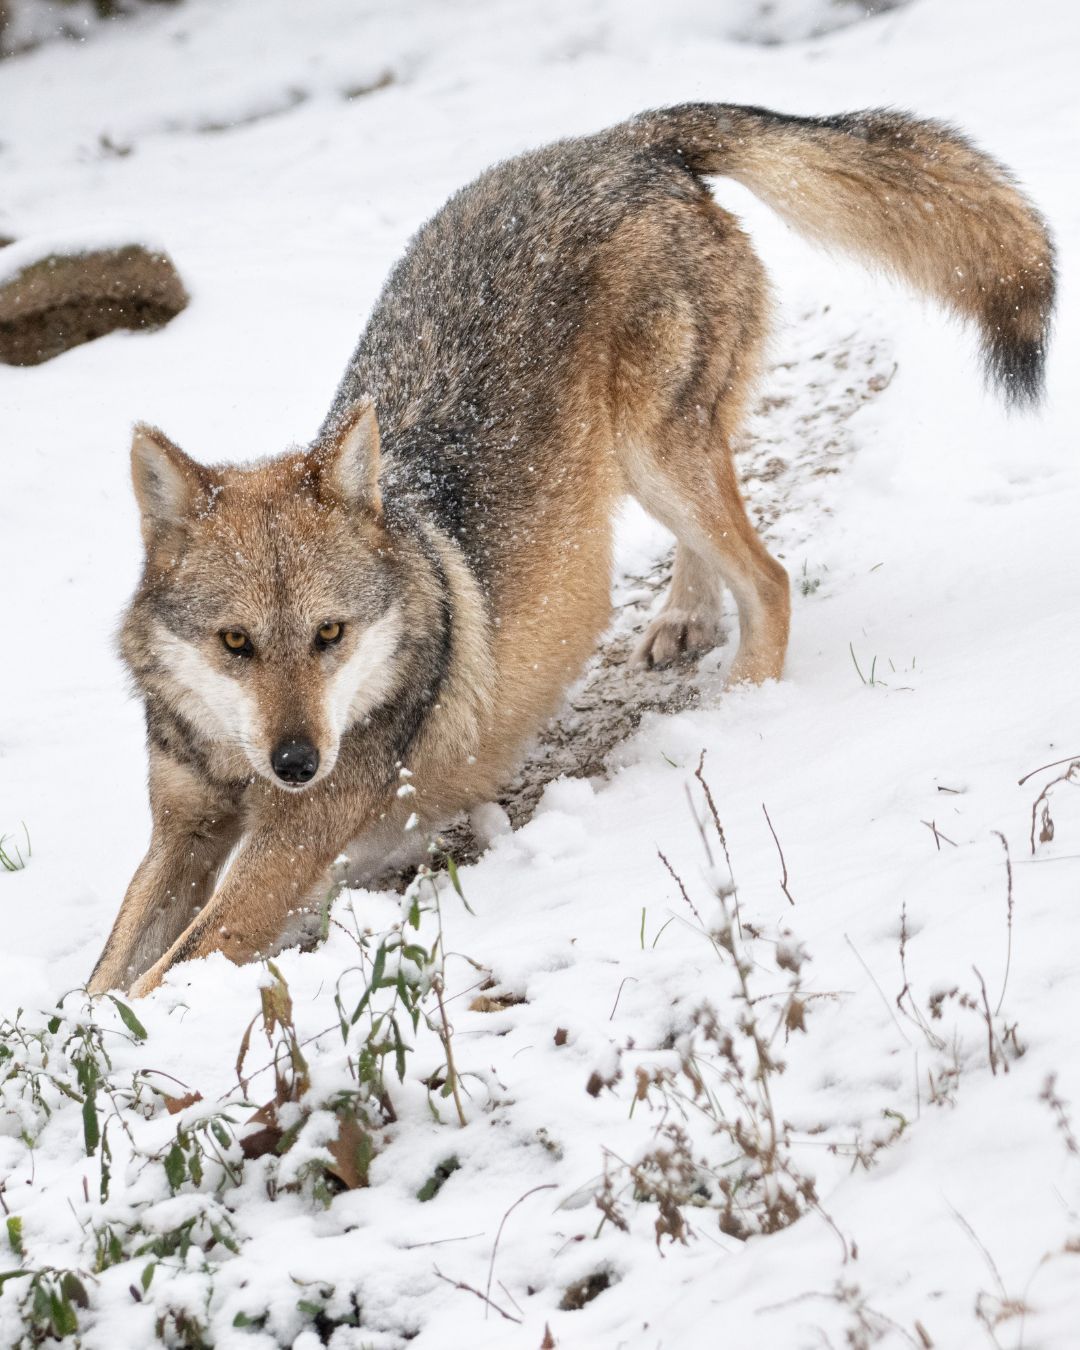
691	620
717	546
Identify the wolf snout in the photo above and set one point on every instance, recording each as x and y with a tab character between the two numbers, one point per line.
295	762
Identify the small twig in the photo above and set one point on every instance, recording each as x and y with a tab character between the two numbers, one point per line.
468	1289
870	1320
699	774
824	1214
1048	1095
1009	903
439	1242
915	1016
308	1040
878	987
549	1186
160	1073
444	1036
514	1301
990	1027
700	826
1046	834
682	889
931	825
783	862
1052	765
982	1248
470	988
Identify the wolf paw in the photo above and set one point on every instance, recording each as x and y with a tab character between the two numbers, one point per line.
677	635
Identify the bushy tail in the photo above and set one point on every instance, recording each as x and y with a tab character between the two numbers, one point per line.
914	197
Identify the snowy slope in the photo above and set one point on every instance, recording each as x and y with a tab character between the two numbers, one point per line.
937	547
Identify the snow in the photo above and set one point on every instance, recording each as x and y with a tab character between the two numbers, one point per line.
17	257
945	560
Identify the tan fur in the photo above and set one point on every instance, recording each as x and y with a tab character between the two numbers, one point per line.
911	196
578	324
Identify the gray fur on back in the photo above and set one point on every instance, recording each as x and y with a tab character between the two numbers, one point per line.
470	345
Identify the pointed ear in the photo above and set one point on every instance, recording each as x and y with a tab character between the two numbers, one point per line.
168	483
346	459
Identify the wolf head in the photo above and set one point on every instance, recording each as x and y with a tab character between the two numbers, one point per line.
270	609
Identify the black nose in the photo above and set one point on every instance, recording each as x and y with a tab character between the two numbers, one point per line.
295	761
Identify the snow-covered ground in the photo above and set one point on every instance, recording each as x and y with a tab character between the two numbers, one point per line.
284	155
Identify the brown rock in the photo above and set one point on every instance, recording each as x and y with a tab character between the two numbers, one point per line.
62	300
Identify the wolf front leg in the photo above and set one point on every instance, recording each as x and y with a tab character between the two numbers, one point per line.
194	827
277	873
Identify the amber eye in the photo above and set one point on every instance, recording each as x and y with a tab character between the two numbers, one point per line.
328	634
237	642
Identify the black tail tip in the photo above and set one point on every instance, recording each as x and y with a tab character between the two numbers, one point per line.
1016	368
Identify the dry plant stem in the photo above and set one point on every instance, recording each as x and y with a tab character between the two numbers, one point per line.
783	862
549	1186
700	827
700	776
848	1250
931	825
850	1296
512	1299
443	1031
468	1289
990	1027
1009	911
1069	759
915	1016
1043	800
682	889
764	1059
877	986
759	1136
242	1086
444	1036
991	1263
441	1242
1048	1095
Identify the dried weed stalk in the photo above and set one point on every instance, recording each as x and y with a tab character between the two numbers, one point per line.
1060	1110
723	1076
1041	818
1002	1040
